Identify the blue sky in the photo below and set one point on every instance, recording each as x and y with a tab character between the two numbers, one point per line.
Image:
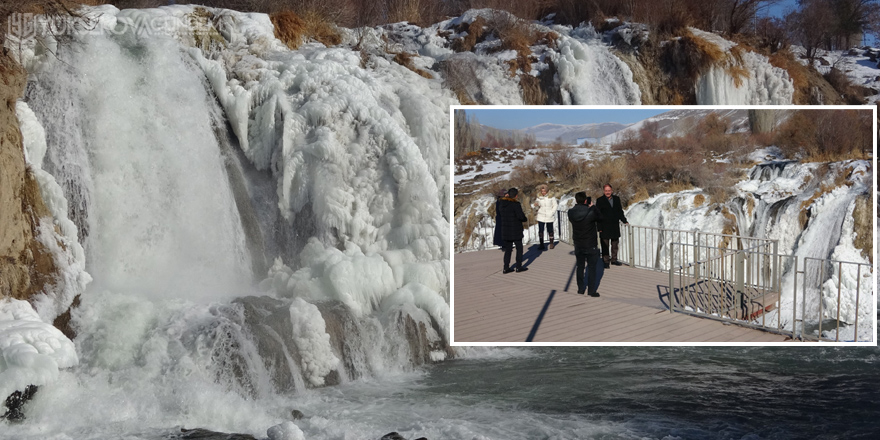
779	9
527	117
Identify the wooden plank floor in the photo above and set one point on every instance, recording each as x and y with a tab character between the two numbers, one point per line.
542	304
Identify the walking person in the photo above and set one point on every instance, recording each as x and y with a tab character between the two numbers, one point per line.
546	215
512	217
585	218
496	234
611	211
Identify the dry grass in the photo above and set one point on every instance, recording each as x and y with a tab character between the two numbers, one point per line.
295	29
798	73
475	34
826	135
640	194
405	60
825	188
204	31
699	199
729	227
532	92
709	52
719	194
459	74
40	260
863	226
289	28
678	186
851	93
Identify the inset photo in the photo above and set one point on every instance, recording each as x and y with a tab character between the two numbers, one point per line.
689	225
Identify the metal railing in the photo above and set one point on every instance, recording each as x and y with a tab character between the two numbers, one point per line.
746	286
828	283
483	233
650	247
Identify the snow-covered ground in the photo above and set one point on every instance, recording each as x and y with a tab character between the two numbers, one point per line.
855	63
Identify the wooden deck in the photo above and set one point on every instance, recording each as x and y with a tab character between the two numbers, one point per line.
542	304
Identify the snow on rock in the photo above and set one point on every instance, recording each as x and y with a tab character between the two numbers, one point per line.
853	279
285	431
31	351
66	250
357	279
310	335
764	85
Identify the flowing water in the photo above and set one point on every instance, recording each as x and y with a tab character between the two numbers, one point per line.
620	393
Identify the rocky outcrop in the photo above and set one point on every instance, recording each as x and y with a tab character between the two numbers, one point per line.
26	266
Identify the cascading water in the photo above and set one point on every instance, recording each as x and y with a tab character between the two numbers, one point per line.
590	74
346	166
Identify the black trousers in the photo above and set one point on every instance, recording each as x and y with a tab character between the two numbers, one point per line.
587	258
508	248
614	245
541	230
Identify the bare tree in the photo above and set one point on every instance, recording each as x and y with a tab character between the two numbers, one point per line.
811	25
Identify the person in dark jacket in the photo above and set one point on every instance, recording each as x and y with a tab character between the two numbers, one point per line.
585	218
609	231
512	217
496	234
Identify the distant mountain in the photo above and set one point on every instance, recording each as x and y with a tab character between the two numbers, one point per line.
567	134
671	123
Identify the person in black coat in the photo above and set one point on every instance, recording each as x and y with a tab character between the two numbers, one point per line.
511	217
496	234
585	218
609	231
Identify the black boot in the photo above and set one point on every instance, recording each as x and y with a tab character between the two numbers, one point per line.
552	245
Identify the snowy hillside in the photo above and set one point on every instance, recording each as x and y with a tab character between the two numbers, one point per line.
569	134
679	122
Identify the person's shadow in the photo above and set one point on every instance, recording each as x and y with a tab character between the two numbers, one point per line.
530	255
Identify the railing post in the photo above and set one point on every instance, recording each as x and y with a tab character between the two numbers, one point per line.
776	268
739	274
671	278
631	245
794	302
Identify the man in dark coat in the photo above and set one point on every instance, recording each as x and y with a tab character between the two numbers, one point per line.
511	216
609	231
585	218
496	234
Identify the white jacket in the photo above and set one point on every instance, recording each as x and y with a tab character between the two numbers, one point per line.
546	209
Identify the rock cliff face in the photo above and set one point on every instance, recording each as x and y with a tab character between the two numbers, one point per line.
26	266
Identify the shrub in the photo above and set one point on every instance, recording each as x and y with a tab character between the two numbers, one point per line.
559	163
863	225
826	135
842	85
295	29
532	93
798	73
475	34
460	75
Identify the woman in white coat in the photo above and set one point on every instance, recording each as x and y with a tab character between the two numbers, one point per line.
546	207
